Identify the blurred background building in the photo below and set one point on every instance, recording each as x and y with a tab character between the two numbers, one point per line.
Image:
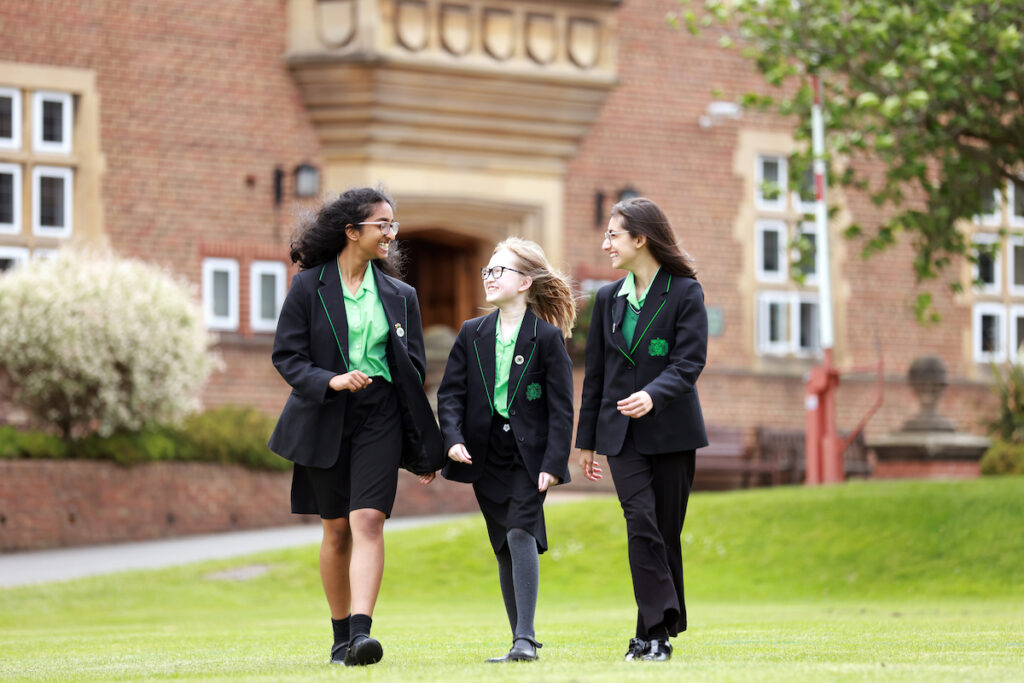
194	134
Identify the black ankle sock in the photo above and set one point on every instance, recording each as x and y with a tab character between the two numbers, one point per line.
340	626
359	625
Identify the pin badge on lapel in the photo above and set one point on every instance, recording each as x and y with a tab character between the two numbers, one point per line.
398	330
518	360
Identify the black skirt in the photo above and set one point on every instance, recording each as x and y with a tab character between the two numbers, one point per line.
507	494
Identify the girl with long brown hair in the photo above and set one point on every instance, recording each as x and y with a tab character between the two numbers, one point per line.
505	406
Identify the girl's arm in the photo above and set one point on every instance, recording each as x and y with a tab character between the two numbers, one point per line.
291	355
689	350
451	395
593	379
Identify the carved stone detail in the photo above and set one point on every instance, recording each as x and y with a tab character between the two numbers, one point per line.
336	21
499	33
412	24
584	42
456	29
541	38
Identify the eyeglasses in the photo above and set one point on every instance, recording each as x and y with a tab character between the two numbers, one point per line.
386	227
496	272
609	235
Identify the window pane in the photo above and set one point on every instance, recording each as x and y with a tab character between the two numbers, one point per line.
776	322
986	268
1020	333
6	263
808	325
6	198
770	178
53	121
1018	199
770	257
268	296
51	202
221	303
989	333
809	258
988	201
6	117
808	192
1018	265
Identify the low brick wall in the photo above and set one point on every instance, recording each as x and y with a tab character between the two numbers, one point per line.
926	469
50	504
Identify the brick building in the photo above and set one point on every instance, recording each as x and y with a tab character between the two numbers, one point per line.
183	132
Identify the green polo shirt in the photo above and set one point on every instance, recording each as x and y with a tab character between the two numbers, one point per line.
635	303
503	352
367	327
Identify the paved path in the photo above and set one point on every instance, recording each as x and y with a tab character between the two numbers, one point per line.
19	569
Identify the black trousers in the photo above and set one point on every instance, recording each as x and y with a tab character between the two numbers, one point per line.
653	491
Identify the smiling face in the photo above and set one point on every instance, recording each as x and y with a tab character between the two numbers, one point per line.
510	285
369	240
621	247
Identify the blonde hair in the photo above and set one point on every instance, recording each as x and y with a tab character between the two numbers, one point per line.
550	295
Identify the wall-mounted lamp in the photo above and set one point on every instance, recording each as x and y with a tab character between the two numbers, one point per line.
628	192
719	111
278	185
307	180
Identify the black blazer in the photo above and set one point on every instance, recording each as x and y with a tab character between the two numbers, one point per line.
311	347
539	397
667	355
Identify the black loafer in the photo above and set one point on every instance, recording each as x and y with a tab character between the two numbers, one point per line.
338	653
637	648
523	650
658	651
363	650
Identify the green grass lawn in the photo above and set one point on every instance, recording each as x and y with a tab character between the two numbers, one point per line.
912	581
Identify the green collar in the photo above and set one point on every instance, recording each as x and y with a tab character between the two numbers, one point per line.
628	289
369	284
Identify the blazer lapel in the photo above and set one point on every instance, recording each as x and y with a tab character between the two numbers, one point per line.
618	315
332	298
396	308
526	344
483	344
653	303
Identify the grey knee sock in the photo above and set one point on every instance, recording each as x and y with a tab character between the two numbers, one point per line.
508	591
525	579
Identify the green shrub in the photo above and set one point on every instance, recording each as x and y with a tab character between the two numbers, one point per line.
1003	457
1009	424
130	448
30	444
231	434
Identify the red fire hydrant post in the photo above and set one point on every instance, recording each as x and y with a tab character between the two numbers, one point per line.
822	446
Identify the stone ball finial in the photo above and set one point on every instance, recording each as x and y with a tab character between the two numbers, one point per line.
928	379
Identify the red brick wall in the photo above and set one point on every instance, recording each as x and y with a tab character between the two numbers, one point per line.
48	504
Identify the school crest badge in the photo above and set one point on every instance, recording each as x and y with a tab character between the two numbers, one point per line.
658	347
533	391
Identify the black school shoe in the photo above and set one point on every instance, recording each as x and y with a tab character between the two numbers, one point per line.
523	650
658	651
338	653
363	650
637	648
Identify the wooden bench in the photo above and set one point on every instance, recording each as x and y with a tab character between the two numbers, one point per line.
784	448
726	462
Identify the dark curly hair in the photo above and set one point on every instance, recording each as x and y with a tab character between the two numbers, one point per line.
321	236
641	216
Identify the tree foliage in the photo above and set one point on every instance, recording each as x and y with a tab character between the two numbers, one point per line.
92	343
932	89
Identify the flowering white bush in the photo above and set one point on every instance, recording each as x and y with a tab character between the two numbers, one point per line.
91	342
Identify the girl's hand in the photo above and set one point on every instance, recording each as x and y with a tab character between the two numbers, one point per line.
427	478
353	381
636	405
591	470
545	480
458	453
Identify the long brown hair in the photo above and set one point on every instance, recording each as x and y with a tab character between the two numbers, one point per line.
550	295
641	216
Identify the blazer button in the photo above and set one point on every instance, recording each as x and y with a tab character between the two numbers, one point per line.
512	412
522	438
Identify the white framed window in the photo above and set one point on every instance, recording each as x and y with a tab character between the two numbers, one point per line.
1015	264
1016	333
1015	200
220	293
807	262
266	294
771	182
805	321
773	324
989	332
10	118
988	266
10	199
12	257
52	200
991	209
771	258
805	197
51	122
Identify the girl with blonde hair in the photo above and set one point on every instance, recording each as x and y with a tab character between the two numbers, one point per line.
506	409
